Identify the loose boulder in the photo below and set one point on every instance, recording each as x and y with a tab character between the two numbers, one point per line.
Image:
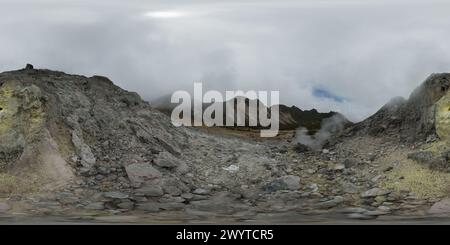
139	173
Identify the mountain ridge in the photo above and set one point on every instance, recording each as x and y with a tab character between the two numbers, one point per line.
291	117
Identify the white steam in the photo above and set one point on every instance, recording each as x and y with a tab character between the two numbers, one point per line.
329	127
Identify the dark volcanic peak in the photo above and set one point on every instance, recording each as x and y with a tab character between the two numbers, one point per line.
310	119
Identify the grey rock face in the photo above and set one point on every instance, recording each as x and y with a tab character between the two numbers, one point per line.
84	151
115	195
411	119
374	192
174	186
441	207
139	173
331	203
222	202
292	182
127	205
356	210
288	182
200	191
275	185
429	159
350	188
348	163
86	126
4	207
167	160
149	207
95	206
150	191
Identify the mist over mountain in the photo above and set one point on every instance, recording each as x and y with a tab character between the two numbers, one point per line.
363	52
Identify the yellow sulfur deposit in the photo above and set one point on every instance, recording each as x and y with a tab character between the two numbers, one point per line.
8	105
443	117
20	108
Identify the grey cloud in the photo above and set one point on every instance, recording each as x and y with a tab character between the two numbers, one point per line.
364	52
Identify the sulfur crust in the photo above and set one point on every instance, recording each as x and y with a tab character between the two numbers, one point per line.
419	180
443	117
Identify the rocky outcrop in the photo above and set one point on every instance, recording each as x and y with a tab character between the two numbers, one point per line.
67	127
25	141
413	119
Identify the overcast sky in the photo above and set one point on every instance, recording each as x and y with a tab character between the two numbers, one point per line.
347	56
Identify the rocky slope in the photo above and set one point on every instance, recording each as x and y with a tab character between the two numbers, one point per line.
57	129
423	118
413	119
82	148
